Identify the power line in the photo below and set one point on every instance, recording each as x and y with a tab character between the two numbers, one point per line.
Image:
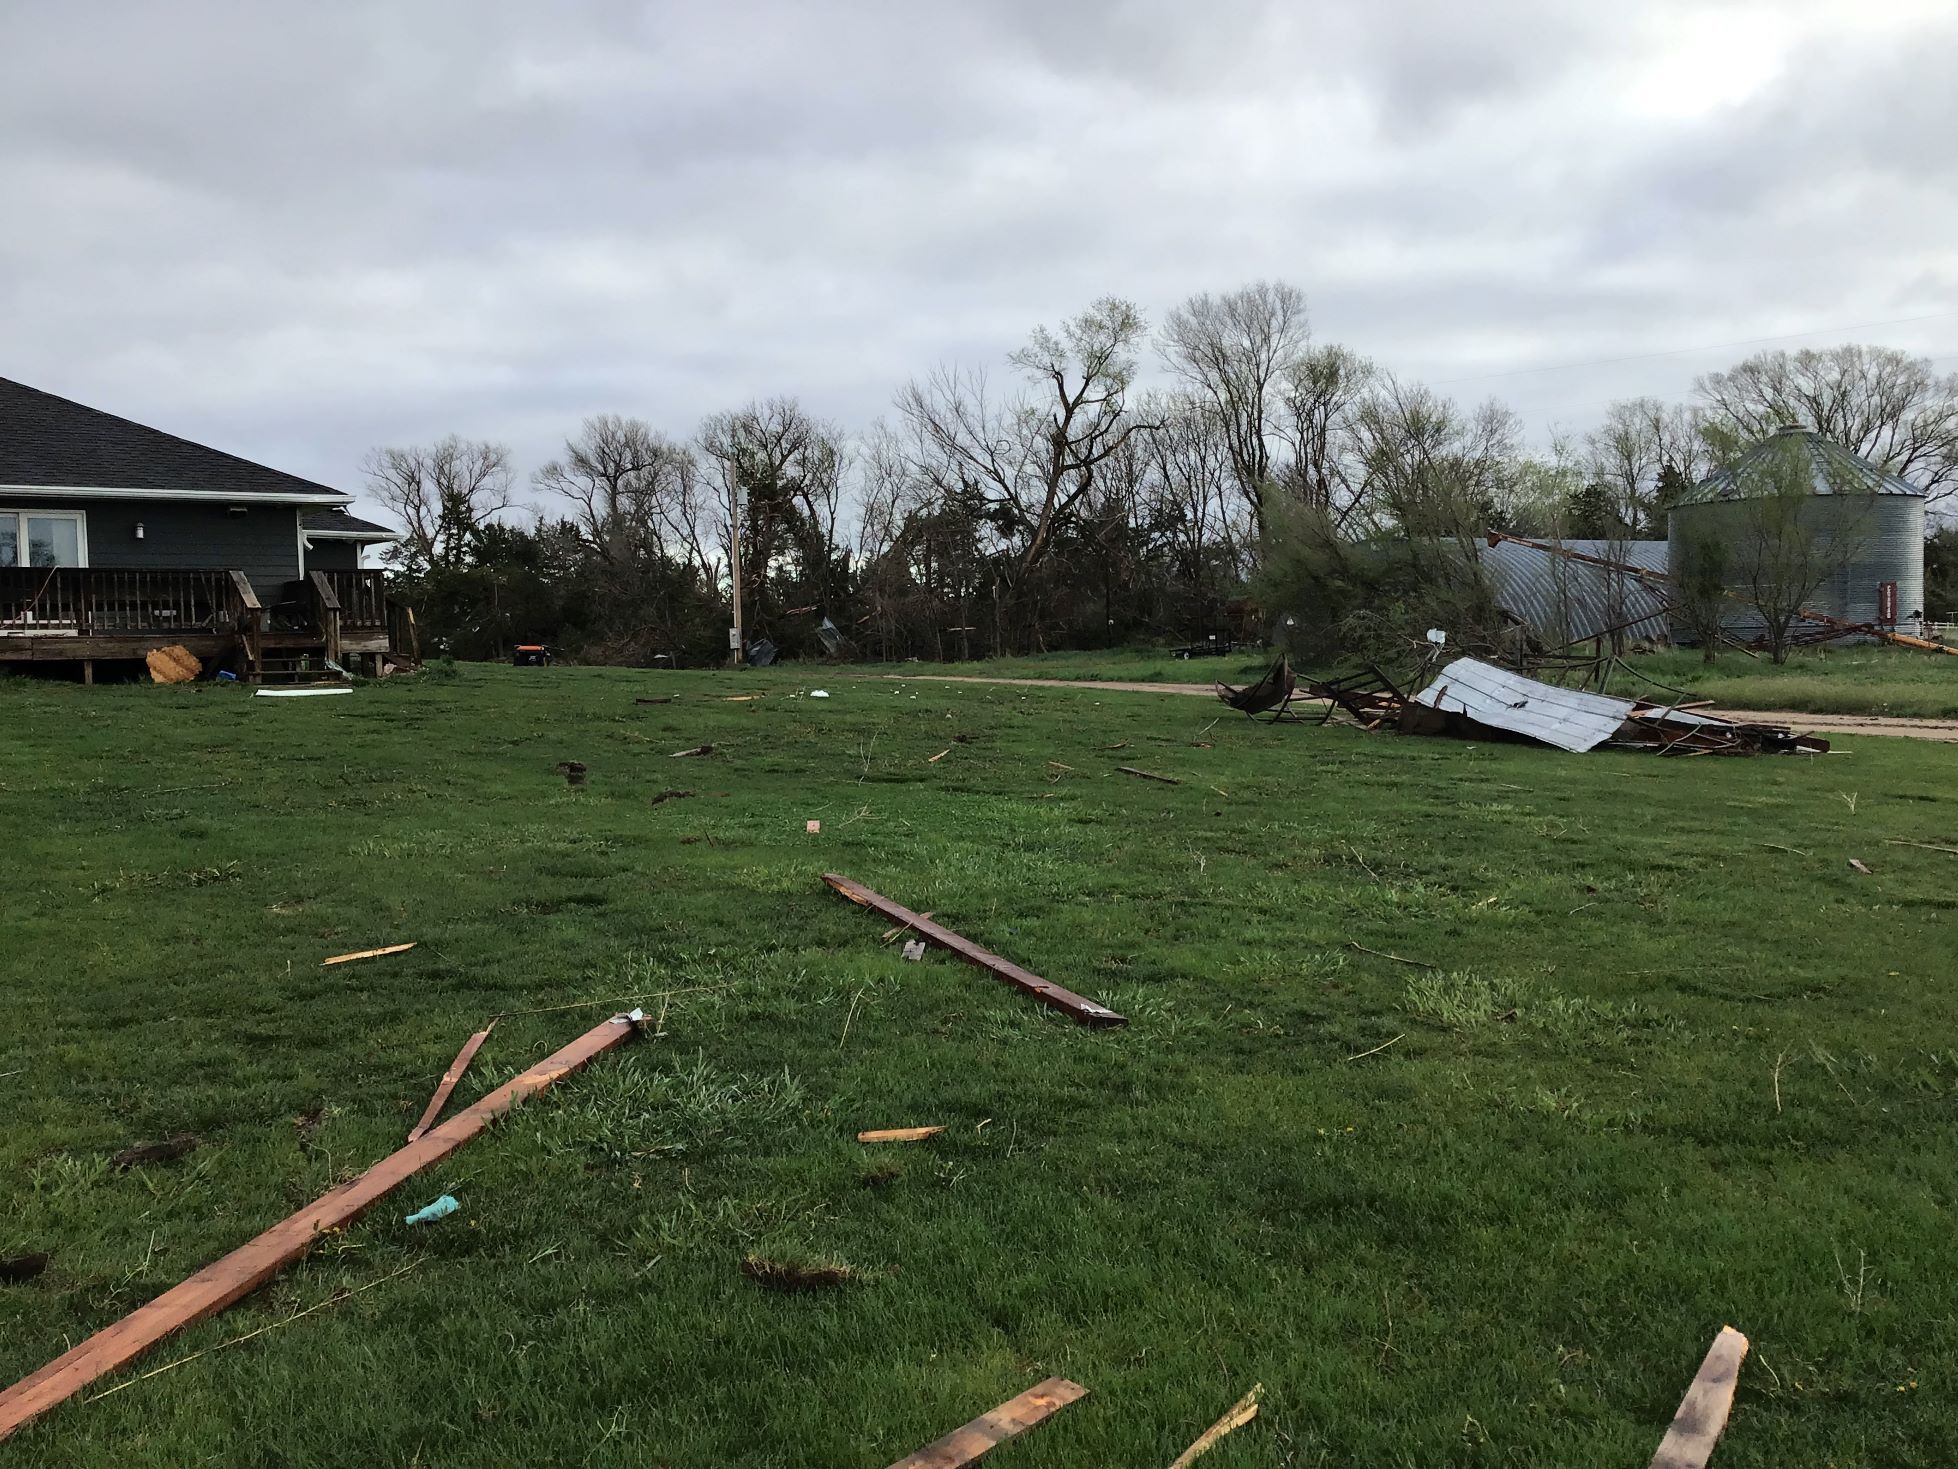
1685	351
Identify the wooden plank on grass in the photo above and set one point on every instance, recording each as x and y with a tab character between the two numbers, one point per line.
1702	1414
366	954
1241	1413
898	1134
1168	780
1046	991
982	1435
449	1079
256	1261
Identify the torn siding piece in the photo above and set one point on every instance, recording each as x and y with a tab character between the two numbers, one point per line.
1567	718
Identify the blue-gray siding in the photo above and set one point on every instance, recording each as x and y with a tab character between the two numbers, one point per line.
263	542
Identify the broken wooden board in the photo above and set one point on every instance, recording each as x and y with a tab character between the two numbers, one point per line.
898	1134
1241	1413
174	664
1168	780
1046	991
982	1435
1702	1414
366	954
256	1261
447	1085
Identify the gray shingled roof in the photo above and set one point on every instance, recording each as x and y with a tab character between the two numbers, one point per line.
1833	470
339	524
53	442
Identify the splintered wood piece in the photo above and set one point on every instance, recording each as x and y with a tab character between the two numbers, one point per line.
982	1435
898	1134
449	1079
1046	991
1241	1413
1859	866
696	750
939	756
366	954
1702	1414
256	1261
1168	780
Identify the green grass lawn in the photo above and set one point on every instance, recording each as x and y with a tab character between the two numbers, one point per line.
1849	680
1662	1076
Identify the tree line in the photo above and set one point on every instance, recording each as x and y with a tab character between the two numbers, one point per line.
1058	503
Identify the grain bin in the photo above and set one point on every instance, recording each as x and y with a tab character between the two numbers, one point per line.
1801	507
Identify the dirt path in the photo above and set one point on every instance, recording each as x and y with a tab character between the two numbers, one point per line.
1942	730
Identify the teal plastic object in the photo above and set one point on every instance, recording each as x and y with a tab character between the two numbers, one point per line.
442	1208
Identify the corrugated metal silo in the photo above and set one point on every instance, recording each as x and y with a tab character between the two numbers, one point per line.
1799	496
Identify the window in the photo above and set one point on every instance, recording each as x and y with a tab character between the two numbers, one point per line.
43	538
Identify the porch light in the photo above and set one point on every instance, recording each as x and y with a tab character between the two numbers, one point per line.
139	530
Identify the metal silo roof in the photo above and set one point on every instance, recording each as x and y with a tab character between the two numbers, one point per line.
1564	600
1833	470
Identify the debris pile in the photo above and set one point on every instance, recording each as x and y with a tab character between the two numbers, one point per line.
1470	699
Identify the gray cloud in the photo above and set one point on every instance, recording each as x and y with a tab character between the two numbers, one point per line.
302	231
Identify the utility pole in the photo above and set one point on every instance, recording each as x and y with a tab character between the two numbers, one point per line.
734	549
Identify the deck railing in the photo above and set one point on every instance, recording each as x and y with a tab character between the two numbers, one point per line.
362	596
90	601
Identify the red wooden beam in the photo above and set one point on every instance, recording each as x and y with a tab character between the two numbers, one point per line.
1046	991
256	1261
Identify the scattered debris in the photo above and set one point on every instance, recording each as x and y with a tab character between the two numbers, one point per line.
23	1268
742	698
939	756
249	1266
914	949
696	750
791	1277
891	933
1241	1413
819	693
366	954
174	664
667	700
300	693
1123	745
985	1433
1474	700
1383	954
1702	1414
1047	992
442	1208
449	1079
167	1151
1168	780
1777	847
1861	867
574	771
1924	846
1269	695
671	796
812	827
1378	1049
898	1134
1057	765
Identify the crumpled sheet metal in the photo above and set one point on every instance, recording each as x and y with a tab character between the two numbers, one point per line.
1567	718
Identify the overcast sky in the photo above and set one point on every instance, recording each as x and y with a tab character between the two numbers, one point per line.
297	231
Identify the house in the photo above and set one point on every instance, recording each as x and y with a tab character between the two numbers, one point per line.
116	539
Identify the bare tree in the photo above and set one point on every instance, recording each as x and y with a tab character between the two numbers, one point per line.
1025	464
1234	350
1628	454
786	470
621	479
445	494
1318	397
1888	406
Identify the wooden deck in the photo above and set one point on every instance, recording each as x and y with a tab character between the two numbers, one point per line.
91	614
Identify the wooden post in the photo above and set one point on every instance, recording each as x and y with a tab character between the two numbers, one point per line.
88	670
